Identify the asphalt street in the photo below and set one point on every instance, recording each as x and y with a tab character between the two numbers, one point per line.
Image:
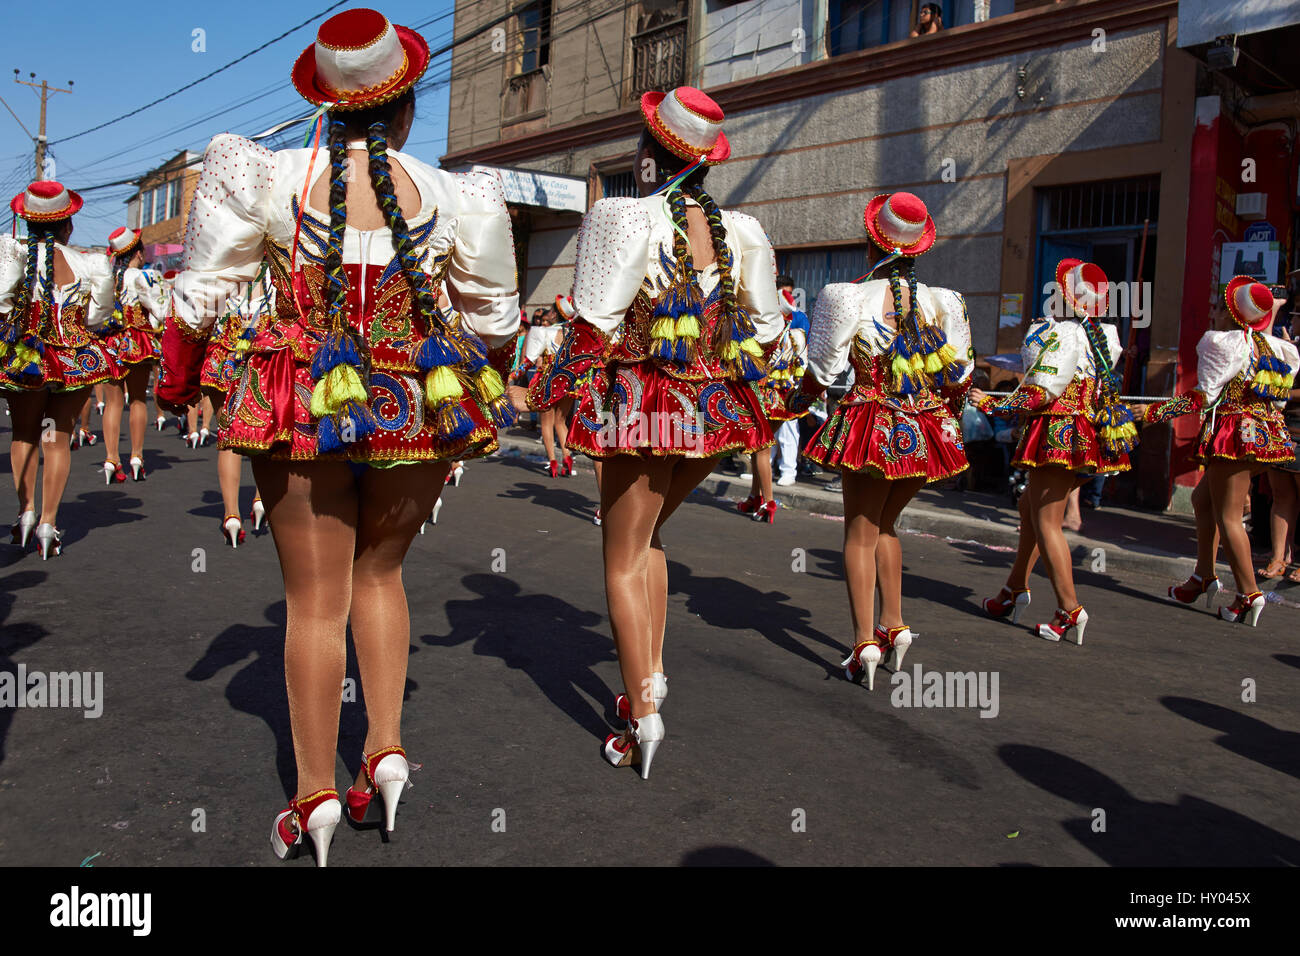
1134	749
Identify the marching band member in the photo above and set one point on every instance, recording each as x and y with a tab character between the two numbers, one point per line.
361	390
898	427
1077	426
1243	377
51	297
675	300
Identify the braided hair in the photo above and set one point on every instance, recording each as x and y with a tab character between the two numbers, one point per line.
37	284
1114	419
120	264
920	356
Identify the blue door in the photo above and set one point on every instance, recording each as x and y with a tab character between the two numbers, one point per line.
1050	252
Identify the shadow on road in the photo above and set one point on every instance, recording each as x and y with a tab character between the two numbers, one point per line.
569	496
548	639
15	637
1191	832
724	856
1245	736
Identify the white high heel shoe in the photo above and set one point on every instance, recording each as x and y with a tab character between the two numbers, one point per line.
862	662
110	471
258	514
233	529
193	439
433	518
49	540
137	468
647	733
204	434
388	772
456	474
319	814
1245	609
23	527
898	640
160	422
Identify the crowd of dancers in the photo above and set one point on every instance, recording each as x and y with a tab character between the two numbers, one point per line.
351	314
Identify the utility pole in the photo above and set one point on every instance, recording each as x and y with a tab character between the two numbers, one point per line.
46	92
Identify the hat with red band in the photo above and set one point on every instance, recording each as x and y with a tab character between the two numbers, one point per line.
1084	287
46	201
564	306
899	221
1250	303
359	59
688	123
123	240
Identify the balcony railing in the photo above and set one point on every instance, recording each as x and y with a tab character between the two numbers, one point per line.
525	95
659	59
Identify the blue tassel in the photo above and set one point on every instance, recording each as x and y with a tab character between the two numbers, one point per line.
683	351
477	364
363	419
327	436
503	413
453	423
750	371
436	350
10	334
337	349
663	349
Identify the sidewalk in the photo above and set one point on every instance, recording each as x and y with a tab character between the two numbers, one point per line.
1160	545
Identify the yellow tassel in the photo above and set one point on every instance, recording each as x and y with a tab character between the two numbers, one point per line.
242	346
688	327
752	347
341	384
488	385
440	385
933	363
918	363
900	366
947	354
730	350
662	329
4	349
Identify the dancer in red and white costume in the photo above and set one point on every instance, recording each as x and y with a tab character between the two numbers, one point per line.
1243	377
132	339
1076	427
675	300
361	390
50	299
540	346
899	427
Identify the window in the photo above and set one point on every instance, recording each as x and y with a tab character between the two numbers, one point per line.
534	23
146	208
174	209
618	184
525	92
659	54
860	24
813	269
1087	207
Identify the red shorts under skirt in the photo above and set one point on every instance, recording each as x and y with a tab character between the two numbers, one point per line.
890	443
132	346
640	410
269	410
64	369
1242	436
1068	441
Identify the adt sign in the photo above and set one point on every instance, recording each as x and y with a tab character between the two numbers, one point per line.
1260	232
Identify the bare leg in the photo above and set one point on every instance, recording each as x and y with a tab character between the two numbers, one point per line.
26	411
562	409
763	472
84	413
889	552
229	467
313	510
137	385
1229	488
206	409
632	496
1048	488
1281	518
1073	520
113	403
864	502
1026	549
548	432
394	503
192	420
63	408
1207	529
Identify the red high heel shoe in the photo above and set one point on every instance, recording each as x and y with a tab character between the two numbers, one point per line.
766	512
1193	588
1066	624
388	772
898	640
1007	601
554	467
750	504
567	470
317	815
1245	609
863	661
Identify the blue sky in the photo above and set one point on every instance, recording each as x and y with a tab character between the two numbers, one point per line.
121	57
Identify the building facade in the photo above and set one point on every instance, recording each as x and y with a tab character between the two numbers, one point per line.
1032	130
161	207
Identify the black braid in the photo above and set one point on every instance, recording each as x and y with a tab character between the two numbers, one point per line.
27	291
47	292
732	316
381	177
120	265
334	275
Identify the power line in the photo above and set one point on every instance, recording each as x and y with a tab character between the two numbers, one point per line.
208	76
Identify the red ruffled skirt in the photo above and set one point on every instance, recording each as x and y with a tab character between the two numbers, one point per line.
1243	436
132	346
62	369
1067	441
269	410
216	374
889	442
638	409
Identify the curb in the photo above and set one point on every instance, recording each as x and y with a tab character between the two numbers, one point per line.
1089	554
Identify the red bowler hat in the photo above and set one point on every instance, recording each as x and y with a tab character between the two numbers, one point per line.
1250	303
899	221
359	59
123	240
1084	287
688	123
564	306
46	201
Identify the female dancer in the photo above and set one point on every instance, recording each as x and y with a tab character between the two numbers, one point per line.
540	346
49	296
898	427
131	340
1284	483
1077	427
244	317
1240	374
361	390
693	289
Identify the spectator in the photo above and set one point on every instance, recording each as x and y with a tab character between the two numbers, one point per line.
929	20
